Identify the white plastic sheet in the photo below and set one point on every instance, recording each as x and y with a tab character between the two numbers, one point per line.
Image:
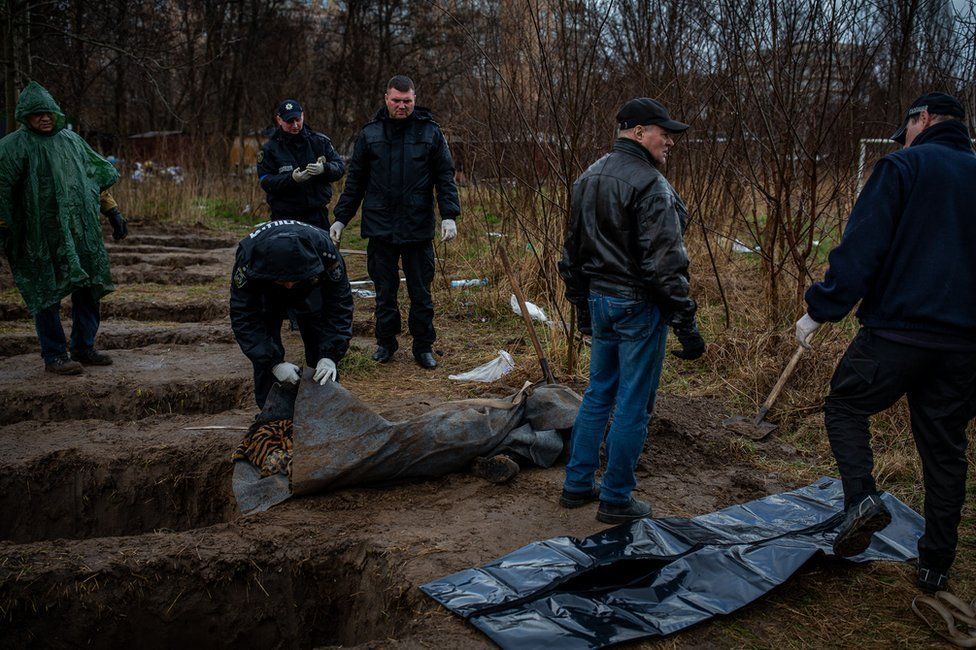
535	311
489	372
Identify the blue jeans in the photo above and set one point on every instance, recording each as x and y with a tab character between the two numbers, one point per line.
84	326
625	368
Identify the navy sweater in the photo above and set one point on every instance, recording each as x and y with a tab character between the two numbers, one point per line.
909	249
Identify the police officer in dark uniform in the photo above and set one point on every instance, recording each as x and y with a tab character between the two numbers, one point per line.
290	267
400	159
296	168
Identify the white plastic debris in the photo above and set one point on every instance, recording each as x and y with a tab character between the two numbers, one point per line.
363	293
535	311
489	372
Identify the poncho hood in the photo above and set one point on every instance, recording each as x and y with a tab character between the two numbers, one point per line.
35	98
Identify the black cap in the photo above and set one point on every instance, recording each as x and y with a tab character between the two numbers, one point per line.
934	103
642	111
289	109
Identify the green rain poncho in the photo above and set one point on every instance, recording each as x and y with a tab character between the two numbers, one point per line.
49	209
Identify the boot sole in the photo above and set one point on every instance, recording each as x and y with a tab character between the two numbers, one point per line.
608	518
858	538
66	373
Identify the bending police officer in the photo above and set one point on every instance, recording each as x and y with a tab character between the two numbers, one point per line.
290	267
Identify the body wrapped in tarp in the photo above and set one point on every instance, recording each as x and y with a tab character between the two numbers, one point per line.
340	442
49	207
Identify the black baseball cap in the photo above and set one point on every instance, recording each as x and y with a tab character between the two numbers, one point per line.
934	103
642	111
289	109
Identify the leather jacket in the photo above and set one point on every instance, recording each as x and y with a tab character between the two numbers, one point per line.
626	236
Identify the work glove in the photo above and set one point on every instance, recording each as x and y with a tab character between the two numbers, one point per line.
805	329
317	167
286	372
120	228
448	229
325	371
692	343
335	232
300	175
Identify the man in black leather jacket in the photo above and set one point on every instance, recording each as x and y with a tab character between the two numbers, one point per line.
297	167
400	159
290	266
626	271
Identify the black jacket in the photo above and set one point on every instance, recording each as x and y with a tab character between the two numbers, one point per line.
625	235
285	152
395	167
293	251
909	249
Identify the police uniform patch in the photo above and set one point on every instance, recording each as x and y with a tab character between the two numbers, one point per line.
260	155
240	277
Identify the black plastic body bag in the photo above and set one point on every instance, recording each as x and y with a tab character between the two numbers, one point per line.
658	576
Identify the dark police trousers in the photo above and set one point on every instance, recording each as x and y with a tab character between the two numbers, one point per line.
318	218
418	268
264	379
941	388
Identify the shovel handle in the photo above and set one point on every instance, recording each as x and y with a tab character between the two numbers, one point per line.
778	388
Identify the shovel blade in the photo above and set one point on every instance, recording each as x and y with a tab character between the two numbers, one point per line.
748	428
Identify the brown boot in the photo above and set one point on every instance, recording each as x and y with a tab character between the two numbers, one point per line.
497	469
64	366
92	358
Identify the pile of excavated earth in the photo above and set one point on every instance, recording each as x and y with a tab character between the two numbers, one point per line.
117	521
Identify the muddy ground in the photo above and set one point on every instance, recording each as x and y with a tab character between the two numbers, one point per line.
117	522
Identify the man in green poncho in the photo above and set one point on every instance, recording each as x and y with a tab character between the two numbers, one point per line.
52	187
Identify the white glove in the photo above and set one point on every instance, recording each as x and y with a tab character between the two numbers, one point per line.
325	371
315	168
448	229
805	328
300	175
286	372
335	232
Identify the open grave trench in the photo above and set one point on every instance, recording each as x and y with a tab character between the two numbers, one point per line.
118	525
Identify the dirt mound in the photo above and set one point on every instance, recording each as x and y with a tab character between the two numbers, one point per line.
123	334
204	378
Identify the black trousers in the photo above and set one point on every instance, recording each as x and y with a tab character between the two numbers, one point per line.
264	379
418	268
318	218
941	388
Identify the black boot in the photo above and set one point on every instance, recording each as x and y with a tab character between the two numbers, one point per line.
384	352
425	360
862	520
620	513
578	499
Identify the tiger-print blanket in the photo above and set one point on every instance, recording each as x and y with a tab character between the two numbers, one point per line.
267	446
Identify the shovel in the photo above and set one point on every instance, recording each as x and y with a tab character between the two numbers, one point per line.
755	427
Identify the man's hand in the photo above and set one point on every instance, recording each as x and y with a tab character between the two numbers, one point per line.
335	232
300	175
325	371
286	372
120	228
805	329
317	167
692	343
448	229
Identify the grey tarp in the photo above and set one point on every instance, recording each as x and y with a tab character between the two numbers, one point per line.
657	576
339	441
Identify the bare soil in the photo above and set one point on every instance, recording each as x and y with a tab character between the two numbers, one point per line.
118	528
